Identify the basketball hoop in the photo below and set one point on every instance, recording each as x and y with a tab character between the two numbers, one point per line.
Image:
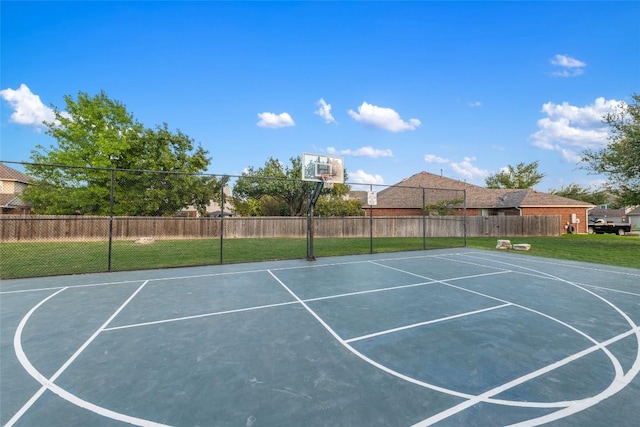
327	181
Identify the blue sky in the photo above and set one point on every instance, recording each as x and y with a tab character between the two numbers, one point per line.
458	88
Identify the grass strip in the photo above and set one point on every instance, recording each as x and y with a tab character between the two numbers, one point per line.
34	259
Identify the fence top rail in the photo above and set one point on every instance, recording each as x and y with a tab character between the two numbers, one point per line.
225	177
238	218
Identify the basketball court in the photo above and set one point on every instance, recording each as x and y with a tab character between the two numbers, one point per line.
447	337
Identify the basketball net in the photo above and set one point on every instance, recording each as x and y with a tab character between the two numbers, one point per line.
327	181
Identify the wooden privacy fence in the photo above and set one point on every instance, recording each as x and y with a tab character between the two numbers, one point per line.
528	225
79	228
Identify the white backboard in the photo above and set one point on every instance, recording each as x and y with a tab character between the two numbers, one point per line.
319	167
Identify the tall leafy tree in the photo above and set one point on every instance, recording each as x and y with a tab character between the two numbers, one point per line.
276	187
334	205
522	176
577	192
96	135
619	160
278	181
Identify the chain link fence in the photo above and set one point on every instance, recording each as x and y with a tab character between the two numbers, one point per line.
86	220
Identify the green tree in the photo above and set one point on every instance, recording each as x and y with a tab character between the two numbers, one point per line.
281	183
95	136
247	207
444	207
619	160
335	205
577	192
523	176
274	179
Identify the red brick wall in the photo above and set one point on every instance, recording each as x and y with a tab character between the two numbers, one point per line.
394	212
410	212
565	213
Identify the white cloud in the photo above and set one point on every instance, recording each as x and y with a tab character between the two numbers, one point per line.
275	121
362	177
467	170
384	118
567	61
324	111
570	130
28	108
473	104
432	158
371	152
571	67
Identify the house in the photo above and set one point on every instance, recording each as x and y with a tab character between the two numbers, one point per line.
411	195
213	209
613	215
12	185
634	217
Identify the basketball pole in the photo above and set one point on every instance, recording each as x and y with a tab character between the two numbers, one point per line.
111	203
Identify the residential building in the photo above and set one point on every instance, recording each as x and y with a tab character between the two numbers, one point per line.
12	185
410	196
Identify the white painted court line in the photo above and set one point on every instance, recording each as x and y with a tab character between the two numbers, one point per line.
446	282
459	261
199	316
54	288
620	381
21	356
544	275
227	273
120	282
393	288
549	261
616	291
370	291
469	397
363	261
428	322
49	383
615	362
167	278
365	358
582	288
217	313
579	405
259	307
574	406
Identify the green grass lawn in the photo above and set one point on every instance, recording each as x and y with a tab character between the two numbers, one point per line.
57	258
623	251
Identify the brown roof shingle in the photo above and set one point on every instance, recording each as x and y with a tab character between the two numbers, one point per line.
10	174
409	194
12	201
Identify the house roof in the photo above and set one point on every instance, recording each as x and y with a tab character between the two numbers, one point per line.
10	174
359	195
602	212
12	201
535	198
409	194
635	212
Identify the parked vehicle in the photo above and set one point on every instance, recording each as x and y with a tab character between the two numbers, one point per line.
601	226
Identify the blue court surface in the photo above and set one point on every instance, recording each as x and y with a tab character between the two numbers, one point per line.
455	337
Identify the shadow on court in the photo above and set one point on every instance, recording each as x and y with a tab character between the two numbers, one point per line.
455	337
